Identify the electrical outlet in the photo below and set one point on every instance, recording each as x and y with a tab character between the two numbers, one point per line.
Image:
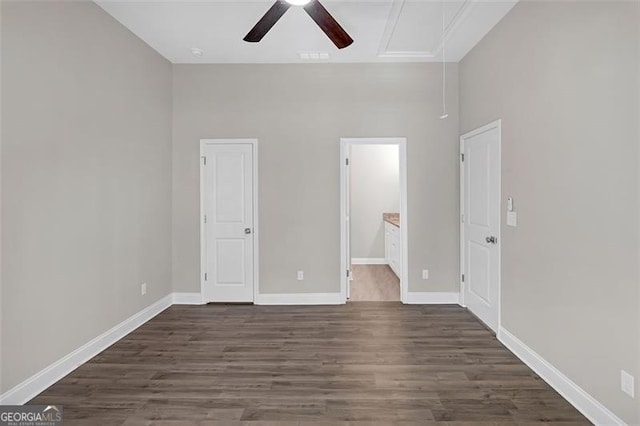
425	274
627	383
143	289
300	275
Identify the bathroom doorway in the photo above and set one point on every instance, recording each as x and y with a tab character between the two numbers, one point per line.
373	219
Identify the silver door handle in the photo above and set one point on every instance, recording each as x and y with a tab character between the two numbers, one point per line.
492	240
247	230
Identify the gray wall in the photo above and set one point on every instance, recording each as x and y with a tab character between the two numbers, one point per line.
375	189
1	357
638	217
86	174
563	76
299	113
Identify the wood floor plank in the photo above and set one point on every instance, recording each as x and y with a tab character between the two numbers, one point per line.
363	363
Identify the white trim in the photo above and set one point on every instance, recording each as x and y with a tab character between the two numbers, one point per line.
460	216
497	124
187	299
40	381
256	222
404	222
369	261
203	229
300	299
432	298
404	233
574	394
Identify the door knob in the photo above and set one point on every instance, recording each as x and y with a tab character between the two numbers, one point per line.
492	240
247	230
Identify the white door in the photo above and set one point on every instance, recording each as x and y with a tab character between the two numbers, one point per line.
348	224
481	222
229	228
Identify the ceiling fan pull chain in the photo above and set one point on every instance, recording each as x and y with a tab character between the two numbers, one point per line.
444	69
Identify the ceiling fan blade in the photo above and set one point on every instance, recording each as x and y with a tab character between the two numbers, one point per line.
330	26
267	21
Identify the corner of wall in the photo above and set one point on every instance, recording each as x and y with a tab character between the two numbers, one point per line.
1	300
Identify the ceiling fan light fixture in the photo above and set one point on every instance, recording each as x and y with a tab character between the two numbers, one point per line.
314	9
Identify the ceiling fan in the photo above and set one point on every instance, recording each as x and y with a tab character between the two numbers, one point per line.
318	13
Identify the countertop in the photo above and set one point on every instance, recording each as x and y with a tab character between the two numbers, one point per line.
392	218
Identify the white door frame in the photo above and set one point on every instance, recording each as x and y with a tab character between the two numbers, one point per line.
345	144
498	126
256	223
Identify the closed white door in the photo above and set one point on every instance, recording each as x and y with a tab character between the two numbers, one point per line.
481	222
229	228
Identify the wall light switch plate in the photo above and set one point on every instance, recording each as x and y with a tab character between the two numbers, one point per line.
627	383
300	275
143	288
512	219
425	274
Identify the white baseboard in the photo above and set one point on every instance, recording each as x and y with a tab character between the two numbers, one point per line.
40	381
187	299
578	397
299	299
431	298
369	261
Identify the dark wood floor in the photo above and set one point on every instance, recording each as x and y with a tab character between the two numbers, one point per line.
363	363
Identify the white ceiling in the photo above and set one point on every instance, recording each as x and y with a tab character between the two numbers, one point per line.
383	30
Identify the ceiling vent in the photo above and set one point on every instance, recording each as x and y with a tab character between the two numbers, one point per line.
315	56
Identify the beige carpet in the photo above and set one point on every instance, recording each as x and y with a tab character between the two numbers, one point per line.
374	283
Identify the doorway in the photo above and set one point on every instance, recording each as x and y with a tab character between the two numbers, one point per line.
480	194
228	203
373	212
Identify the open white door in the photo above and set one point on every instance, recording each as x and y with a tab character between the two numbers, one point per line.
347	223
228	209
480	199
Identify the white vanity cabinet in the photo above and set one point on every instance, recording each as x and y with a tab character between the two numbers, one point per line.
392	250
